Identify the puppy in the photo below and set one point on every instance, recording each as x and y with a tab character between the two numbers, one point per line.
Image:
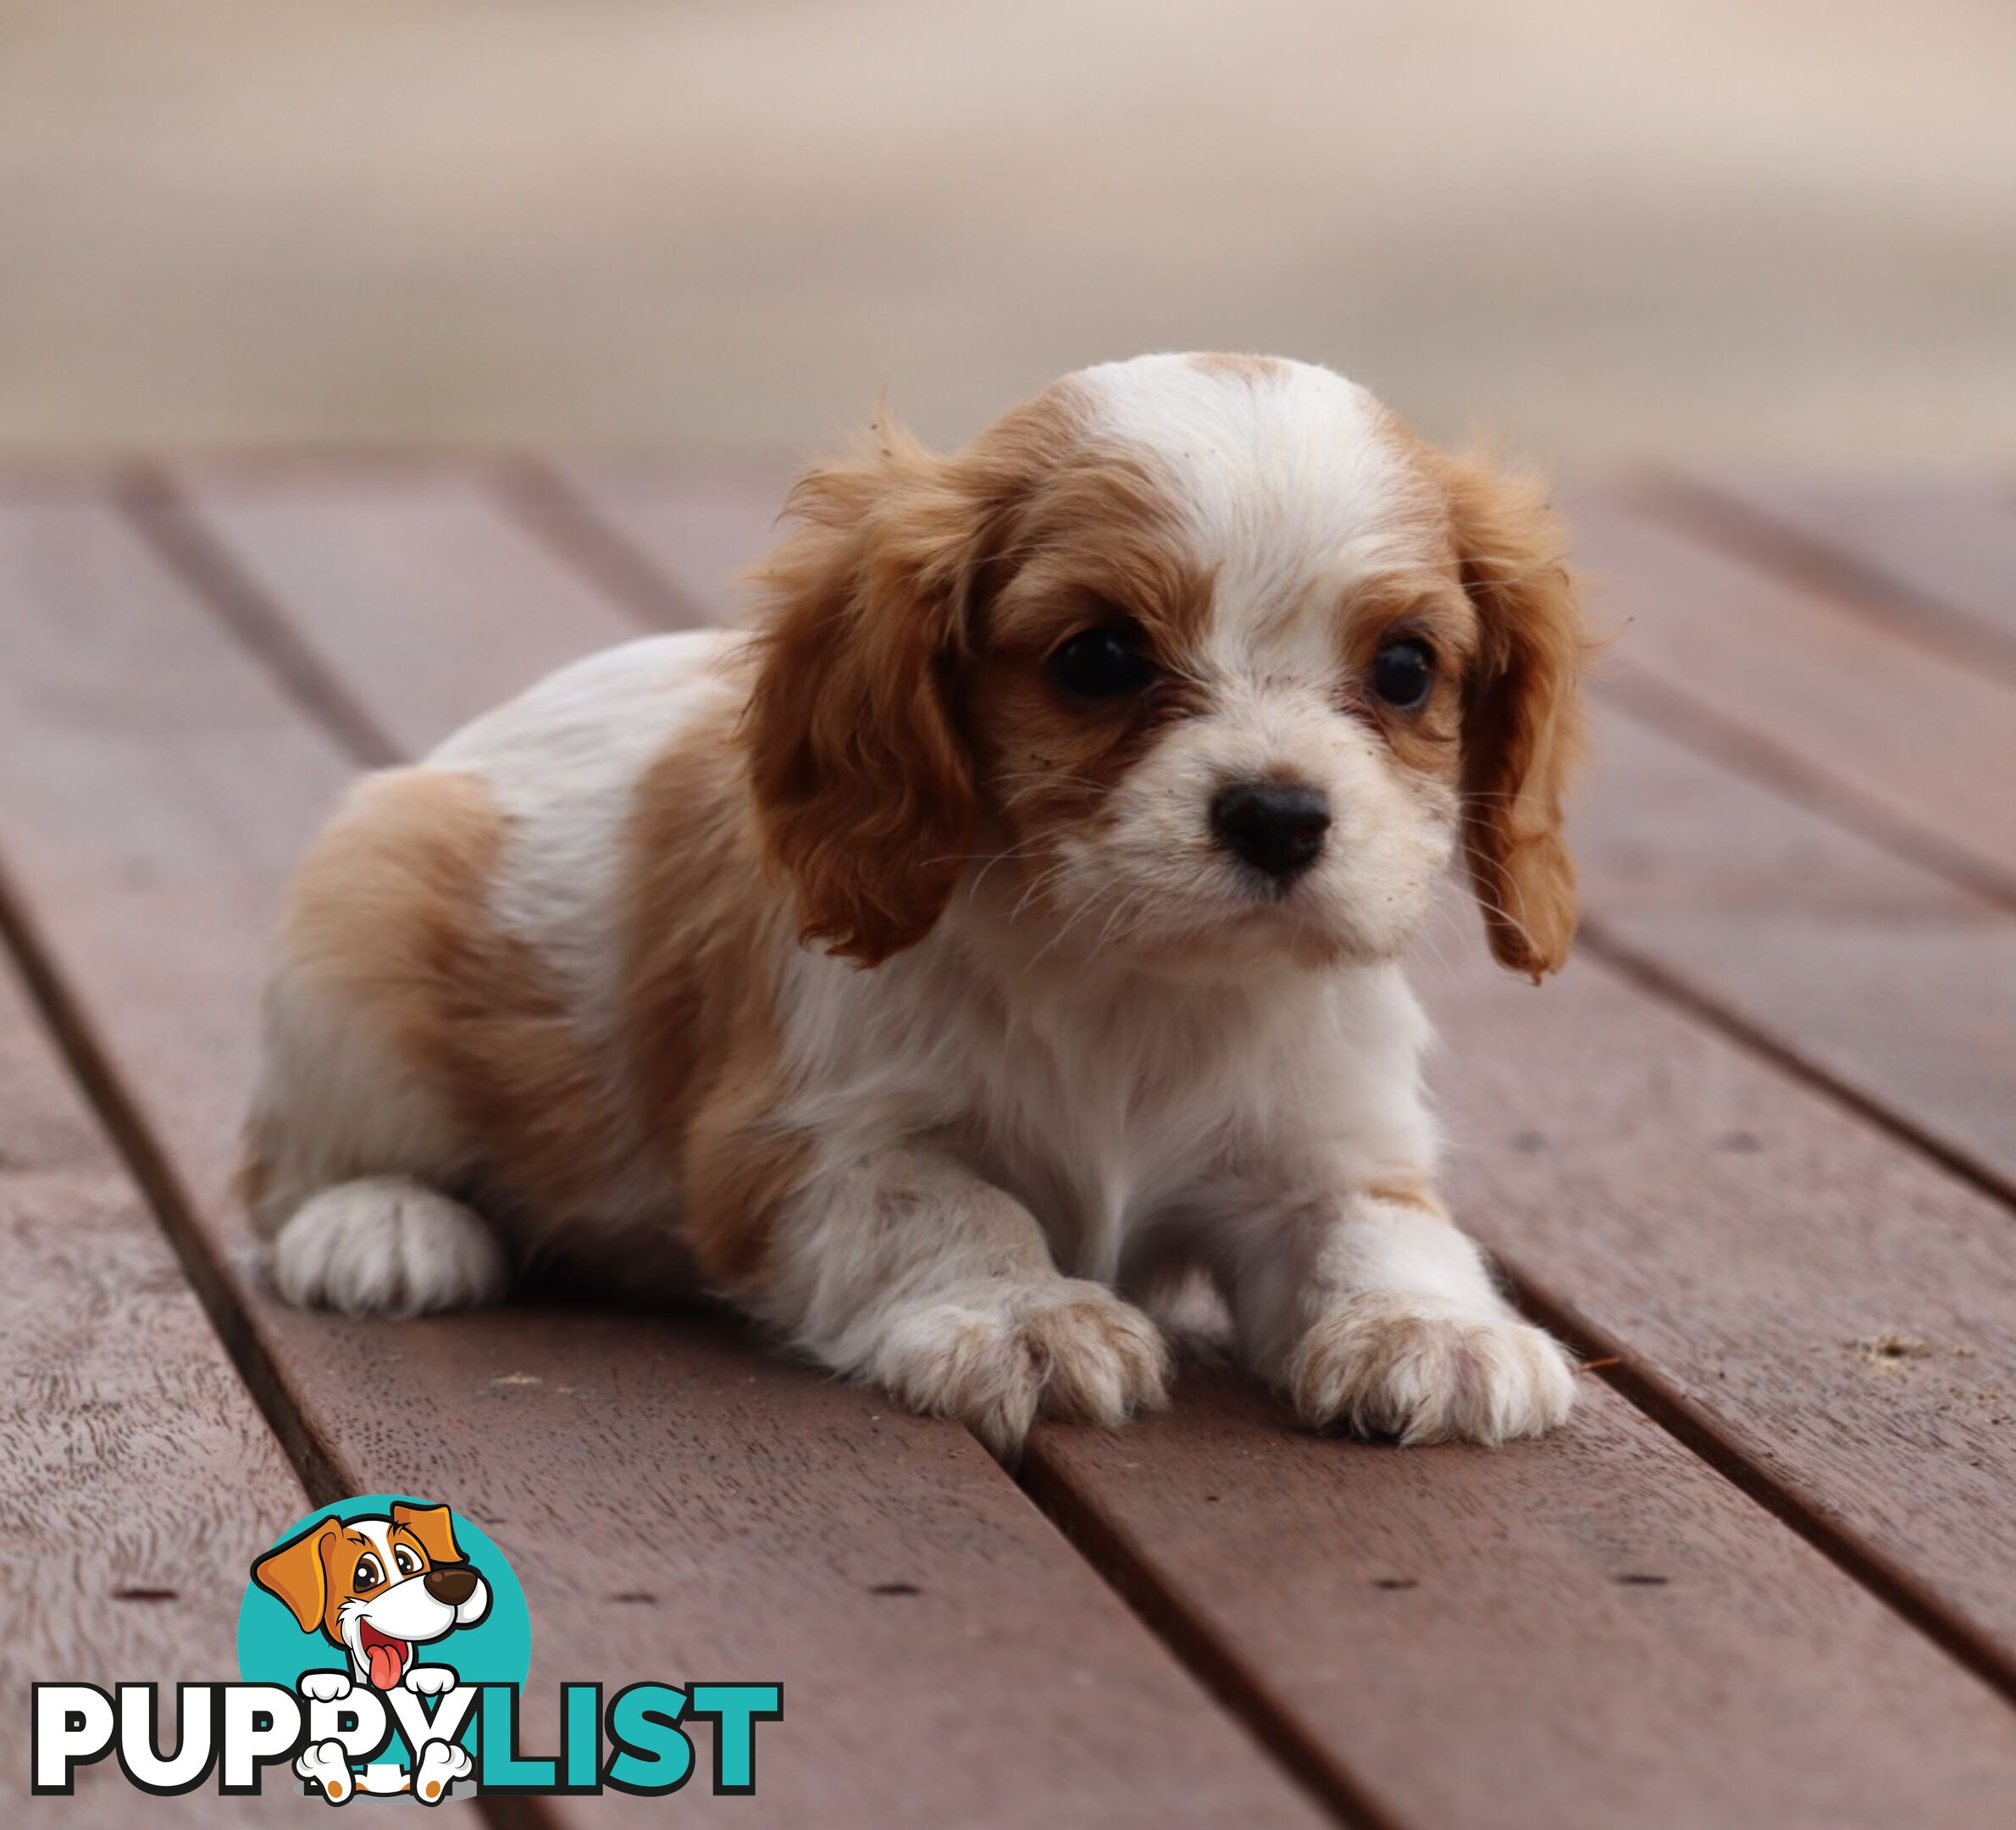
380	1588
1006	927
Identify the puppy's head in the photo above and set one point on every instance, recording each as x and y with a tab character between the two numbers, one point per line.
1199	659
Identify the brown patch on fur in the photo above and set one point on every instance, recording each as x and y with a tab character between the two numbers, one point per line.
700	1041
900	710
1522	712
1236	367
1522	734
1102	548
388	915
1408	1191
1433	610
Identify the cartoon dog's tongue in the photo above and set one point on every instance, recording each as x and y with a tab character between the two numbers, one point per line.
385	1656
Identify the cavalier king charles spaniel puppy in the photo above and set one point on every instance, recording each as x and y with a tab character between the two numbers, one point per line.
1003	929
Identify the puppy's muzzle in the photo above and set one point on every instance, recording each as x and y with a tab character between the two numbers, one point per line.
451	1585
1278	828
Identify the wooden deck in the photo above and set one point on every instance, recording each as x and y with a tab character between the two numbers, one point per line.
1755	1153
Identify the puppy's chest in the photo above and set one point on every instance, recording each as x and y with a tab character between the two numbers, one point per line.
1098	1139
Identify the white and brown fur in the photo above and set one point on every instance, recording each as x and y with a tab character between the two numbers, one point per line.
908	1002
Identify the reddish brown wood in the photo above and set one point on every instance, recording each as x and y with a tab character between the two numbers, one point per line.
1587	1633
139	1478
1879	722
407	567
1940	556
1895	983
701	524
1279	1656
1749	1246
675	1504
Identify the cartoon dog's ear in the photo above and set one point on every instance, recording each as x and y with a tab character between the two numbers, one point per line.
294	1572
434	1526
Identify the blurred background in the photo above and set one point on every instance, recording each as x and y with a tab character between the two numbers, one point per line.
1770	233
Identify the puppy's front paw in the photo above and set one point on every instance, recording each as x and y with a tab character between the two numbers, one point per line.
1425	1371
325	1686
387	1245
429	1680
1067	1348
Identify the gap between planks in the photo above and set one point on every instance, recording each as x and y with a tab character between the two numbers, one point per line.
1722	519
1608	1361
324	1476
322	1471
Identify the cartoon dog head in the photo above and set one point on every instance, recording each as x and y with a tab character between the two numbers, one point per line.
376	1586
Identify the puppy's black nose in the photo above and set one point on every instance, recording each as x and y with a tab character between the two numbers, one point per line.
453	1583
1276	827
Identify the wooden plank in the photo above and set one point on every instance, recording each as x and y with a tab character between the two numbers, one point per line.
139	1478
1585	1633
346	544
1940	556
675	1505
1750	1247
1891	981
697	524
1380	1739
1881	725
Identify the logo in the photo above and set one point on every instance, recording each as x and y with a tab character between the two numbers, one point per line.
383	1648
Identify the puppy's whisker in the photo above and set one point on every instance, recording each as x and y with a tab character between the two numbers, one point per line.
1491	906
1084	908
1034	890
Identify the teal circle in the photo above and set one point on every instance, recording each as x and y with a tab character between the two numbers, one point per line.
272	1649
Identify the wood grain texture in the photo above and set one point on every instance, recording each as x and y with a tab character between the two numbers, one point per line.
1875	718
1583	1631
1895	983
1940	556
139	1478
1383	1743
675	1504
1829	1303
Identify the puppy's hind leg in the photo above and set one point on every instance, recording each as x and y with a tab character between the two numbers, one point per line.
346	1150
387	1245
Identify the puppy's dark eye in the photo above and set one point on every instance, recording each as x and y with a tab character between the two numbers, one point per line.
1402	671
369	1574
409	1564
1103	663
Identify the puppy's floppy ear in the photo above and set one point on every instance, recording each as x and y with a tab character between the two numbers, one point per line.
294	1572
434	1526
861	776
1522	726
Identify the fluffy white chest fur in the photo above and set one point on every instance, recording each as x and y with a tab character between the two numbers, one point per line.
1007	924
